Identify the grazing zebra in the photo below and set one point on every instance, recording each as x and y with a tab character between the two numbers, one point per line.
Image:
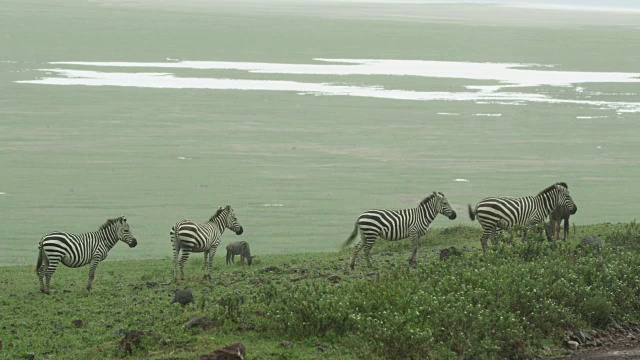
239	248
398	224
559	214
499	213
190	236
76	250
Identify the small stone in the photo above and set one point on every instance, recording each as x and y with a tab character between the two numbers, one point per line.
77	323
31	356
232	352
573	345
286	344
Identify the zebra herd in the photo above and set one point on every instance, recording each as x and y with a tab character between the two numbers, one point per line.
495	214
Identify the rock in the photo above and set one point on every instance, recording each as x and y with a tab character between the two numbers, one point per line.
573	345
131	340
286	345
183	297
271	268
579	336
77	323
593	241
452	251
196	321
323	347
334	278
231	352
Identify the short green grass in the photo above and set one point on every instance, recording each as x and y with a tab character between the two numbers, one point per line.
470	306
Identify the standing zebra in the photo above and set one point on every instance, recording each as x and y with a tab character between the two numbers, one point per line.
398	224
190	236
76	250
498	213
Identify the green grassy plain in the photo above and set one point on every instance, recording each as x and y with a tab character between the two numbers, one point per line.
72	156
473	306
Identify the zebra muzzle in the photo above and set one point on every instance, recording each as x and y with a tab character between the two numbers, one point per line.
453	215
133	243
239	231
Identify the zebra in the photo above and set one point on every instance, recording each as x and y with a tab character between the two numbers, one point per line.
76	250
559	214
398	224
499	213
190	236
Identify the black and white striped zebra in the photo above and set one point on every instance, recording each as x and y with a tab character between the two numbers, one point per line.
499	213
398	224
76	250
189	236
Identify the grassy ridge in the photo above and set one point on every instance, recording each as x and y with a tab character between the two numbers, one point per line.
497	305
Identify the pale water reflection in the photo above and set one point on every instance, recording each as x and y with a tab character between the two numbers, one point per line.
515	84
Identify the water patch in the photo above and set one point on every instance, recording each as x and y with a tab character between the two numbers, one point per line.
272	205
461	180
491	115
591	117
3	193
510	78
448	114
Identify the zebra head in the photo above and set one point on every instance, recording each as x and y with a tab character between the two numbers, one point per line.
230	221
123	232
565	199
443	207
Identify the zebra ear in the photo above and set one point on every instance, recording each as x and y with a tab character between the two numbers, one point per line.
124	219
228	207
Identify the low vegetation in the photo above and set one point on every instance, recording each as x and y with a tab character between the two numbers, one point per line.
515	301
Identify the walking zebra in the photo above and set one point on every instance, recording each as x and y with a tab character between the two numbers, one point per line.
190	236
398	224
76	250
498	213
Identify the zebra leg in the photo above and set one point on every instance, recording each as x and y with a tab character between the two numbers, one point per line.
367	251
356	250
176	253
52	265
41	270
207	274
183	260
92	272
486	234
566	229
212	252
415	240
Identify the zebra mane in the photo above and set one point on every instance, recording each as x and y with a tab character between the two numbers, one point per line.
110	222
218	212
428	198
552	187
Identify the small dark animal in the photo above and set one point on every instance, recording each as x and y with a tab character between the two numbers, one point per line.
183	297
239	248
555	218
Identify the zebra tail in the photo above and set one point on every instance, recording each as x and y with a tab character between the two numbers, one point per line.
472	213
351	237
41	254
